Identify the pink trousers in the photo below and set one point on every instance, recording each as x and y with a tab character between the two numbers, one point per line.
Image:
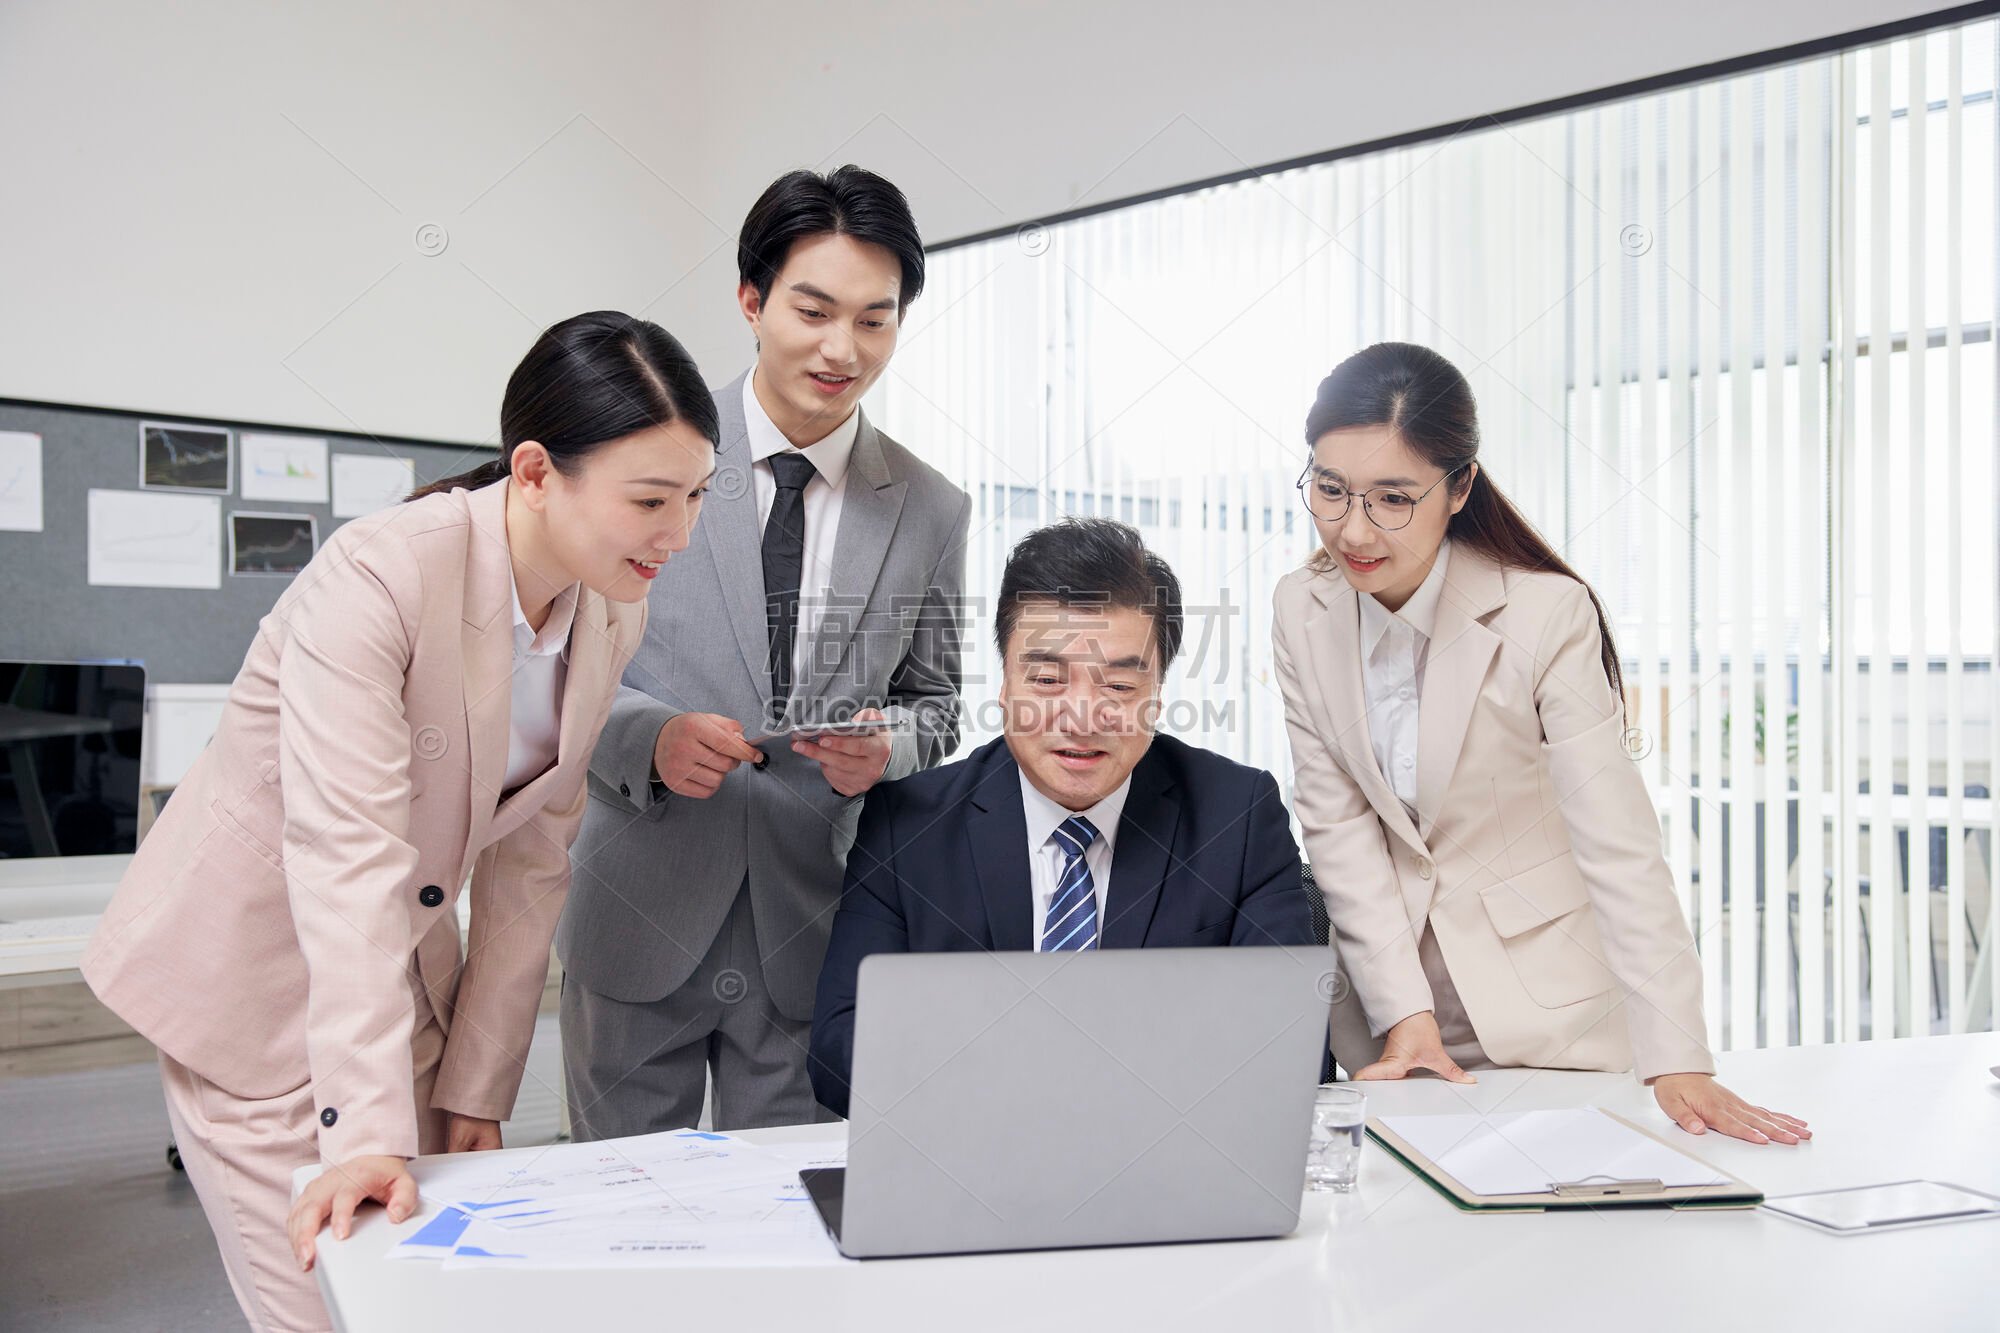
240	1154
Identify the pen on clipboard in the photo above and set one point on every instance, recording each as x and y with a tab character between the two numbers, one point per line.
1604	1187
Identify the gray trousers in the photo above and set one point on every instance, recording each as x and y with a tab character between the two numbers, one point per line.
642	1068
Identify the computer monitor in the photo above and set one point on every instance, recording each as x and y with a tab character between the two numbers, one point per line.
69	778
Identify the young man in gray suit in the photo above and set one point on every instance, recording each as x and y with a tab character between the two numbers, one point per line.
823	585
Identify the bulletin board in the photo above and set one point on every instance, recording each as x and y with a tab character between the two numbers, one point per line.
49	608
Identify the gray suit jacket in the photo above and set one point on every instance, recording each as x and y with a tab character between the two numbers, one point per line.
654	876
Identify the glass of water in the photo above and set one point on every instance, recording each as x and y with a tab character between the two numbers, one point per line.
1333	1155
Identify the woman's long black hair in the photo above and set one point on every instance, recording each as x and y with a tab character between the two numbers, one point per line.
1424	399
591	379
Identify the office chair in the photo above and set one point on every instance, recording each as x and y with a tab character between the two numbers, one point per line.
1322	936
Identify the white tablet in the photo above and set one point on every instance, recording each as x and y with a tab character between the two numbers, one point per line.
874	726
1905	1203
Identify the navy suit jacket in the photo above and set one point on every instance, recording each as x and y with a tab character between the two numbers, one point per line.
1203	856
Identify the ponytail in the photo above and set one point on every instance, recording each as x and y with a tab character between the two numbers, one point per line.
483	475
1491	525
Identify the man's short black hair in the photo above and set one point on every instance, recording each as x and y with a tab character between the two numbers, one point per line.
1097	563
849	202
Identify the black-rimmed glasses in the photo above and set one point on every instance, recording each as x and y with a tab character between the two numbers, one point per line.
1388	507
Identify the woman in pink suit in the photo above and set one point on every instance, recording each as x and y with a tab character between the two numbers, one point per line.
420	706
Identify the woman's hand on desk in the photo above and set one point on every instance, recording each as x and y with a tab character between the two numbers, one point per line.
1415	1044
469	1135
1697	1103
339	1191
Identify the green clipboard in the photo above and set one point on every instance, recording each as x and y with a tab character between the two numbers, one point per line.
1593	1194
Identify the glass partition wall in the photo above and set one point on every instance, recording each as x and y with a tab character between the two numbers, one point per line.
1733	346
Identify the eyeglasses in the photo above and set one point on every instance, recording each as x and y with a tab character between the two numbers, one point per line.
1387	507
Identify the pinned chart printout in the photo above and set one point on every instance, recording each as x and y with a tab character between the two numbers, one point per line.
1530	1152
283	467
144	539
20	481
363	483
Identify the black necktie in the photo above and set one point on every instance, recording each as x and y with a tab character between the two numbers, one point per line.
784	561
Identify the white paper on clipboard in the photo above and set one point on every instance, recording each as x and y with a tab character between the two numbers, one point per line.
1531	1152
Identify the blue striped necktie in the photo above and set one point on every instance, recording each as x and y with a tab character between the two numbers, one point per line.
1072	919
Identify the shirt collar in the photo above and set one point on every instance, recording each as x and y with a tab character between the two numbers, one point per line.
555	630
829	454
1418	615
1046	816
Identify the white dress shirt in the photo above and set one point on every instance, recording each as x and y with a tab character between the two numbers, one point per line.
1395	647
829	456
1046	857
540	669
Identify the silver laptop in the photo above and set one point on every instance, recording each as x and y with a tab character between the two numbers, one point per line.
1016	1101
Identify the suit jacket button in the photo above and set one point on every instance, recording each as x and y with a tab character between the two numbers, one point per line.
625	789
328	1116
431	896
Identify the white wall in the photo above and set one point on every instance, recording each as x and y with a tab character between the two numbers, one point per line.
213	208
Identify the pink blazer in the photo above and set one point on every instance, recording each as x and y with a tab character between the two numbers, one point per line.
301	883
1535	854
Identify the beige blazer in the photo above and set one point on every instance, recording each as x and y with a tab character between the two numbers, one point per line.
297	894
1535	854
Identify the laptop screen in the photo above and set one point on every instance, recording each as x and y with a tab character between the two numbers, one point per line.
69	784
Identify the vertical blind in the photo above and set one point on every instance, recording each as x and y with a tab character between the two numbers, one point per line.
1734	353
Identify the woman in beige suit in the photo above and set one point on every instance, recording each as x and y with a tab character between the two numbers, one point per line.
419	706
1490	858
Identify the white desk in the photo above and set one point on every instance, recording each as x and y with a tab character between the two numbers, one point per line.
43	931
43	952
1394	1255
48	907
